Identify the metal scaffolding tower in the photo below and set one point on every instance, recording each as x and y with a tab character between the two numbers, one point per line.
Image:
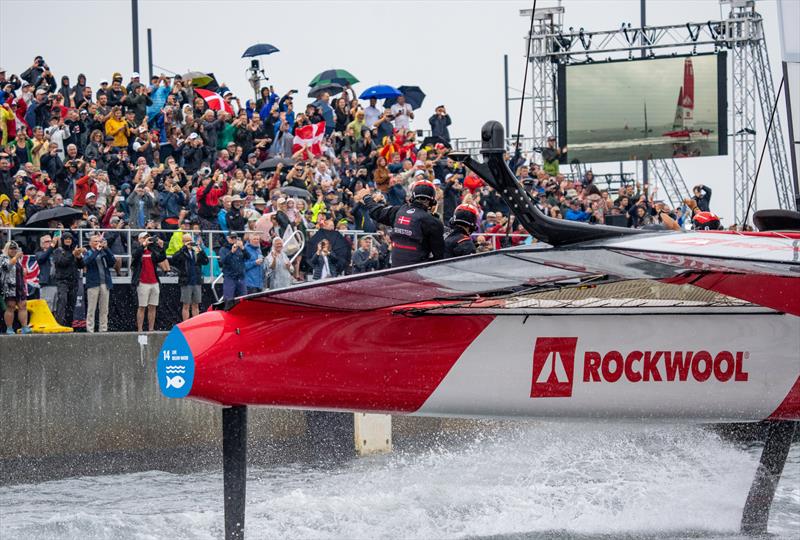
741	33
544	73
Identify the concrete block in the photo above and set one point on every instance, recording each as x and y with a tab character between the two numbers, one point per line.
373	433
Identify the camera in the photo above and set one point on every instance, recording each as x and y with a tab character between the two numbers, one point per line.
254	64
205	171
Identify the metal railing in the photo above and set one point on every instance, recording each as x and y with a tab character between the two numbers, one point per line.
210	241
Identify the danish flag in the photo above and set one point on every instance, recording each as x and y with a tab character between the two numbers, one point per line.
309	138
553	366
214	101
404	220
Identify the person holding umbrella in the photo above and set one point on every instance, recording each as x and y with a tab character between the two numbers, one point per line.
371	112
403	113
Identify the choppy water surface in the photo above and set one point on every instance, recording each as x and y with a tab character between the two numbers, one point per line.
531	481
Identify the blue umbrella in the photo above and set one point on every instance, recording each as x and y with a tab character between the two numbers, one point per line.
413	94
380	91
259	49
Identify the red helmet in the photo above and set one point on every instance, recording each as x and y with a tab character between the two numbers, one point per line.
466	215
706	221
423	189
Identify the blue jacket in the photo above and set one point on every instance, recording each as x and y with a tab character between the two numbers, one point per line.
222	220
232	262
45	259
92	272
575	215
158	95
254	274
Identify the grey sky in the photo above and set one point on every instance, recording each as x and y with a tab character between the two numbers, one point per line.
608	96
453	50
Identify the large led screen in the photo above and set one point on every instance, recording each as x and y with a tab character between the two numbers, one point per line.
670	107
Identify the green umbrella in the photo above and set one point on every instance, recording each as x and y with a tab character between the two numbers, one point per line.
334	76
198	78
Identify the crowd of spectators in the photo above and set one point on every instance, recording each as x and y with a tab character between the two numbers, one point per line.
152	156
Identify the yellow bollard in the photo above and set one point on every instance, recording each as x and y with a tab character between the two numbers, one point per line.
41	320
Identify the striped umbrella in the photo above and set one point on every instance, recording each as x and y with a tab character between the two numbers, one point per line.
333	76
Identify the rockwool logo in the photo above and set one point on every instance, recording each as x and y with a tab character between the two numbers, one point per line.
553	366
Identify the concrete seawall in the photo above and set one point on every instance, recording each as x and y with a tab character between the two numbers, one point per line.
65	398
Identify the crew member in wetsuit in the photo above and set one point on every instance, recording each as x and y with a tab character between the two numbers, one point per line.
417	235
459	242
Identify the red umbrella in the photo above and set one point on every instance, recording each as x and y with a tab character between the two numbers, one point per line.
214	101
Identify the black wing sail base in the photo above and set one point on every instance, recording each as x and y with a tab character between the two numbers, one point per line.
495	172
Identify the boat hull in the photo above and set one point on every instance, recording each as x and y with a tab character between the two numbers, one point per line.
673	366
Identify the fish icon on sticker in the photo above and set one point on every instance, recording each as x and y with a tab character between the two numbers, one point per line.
176	382
175	367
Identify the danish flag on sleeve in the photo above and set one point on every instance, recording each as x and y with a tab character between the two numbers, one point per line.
309	138
214	101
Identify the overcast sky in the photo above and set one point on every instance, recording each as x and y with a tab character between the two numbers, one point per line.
452	49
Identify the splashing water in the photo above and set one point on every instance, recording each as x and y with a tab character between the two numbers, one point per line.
525	480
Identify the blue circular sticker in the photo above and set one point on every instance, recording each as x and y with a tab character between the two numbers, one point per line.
175	368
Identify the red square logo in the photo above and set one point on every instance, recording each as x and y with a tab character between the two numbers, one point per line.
553	367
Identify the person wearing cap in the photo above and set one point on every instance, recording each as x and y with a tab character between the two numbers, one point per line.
417	235
145	258
135	79
38	113
13	288
68	260
232	259
188	261
459	242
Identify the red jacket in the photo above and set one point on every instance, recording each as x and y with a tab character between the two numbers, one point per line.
82	189
208	198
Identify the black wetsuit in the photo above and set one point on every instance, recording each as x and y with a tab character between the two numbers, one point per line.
458	243
417	235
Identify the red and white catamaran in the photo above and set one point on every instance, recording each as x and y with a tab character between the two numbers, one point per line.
593	322
683	124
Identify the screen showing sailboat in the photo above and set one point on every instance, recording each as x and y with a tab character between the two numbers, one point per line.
672	107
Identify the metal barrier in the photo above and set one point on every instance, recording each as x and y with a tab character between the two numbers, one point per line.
210	240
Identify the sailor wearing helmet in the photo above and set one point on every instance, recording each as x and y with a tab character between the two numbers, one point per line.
459	242
417	235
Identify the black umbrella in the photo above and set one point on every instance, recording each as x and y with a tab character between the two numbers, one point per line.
63	214
212	85
292	191
413	94
260	49
272	163
433	140
332	89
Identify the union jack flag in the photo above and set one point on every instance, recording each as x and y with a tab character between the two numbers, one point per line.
30	267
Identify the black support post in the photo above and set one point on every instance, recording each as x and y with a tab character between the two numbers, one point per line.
149	54
135	32
234	469
756	509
